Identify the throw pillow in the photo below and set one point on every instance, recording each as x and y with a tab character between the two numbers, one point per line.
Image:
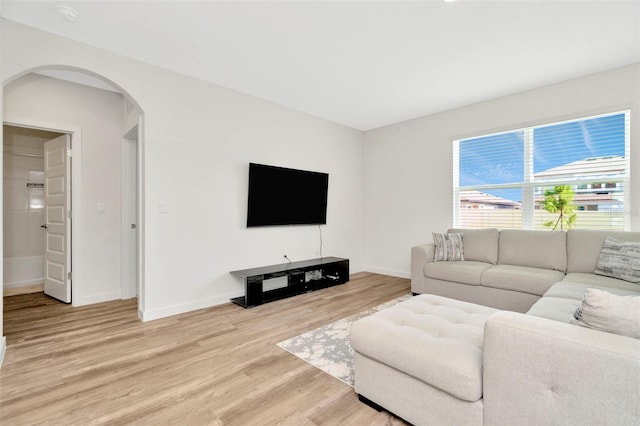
619	259
448	247
604	311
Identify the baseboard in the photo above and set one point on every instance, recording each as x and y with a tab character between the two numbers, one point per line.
3	349
391	272
28	283
181	308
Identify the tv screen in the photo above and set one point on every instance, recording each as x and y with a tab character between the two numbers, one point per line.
281	196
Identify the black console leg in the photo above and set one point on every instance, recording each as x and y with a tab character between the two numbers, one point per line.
379	408
370	403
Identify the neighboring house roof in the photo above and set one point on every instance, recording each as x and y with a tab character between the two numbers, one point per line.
605	166
589	198
478	197
599	166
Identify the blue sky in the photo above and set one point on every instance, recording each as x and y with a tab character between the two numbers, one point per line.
480	164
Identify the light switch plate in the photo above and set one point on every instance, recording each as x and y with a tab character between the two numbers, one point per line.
163	207
100	208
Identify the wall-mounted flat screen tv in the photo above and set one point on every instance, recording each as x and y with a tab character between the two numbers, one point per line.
282	196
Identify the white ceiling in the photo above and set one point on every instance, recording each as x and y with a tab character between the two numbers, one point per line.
364	64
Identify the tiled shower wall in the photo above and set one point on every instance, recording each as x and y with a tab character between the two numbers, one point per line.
23	214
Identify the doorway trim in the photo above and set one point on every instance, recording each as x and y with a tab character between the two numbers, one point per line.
76	132
76	184
130	286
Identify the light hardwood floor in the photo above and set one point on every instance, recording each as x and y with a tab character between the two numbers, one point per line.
38	288
218	366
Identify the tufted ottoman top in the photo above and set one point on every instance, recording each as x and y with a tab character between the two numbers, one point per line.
431	338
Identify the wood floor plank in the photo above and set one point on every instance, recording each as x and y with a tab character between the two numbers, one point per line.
37	288
220	366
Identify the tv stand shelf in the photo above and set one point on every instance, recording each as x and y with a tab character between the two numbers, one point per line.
302	277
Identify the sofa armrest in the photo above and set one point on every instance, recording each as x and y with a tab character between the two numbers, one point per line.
539	371
420	256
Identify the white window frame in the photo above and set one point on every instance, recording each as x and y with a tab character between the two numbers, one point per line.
529	183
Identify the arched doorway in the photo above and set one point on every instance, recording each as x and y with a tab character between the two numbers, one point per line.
86	213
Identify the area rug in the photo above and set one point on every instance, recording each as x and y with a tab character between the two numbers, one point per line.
328	347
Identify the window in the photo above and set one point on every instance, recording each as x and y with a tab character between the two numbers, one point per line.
500	179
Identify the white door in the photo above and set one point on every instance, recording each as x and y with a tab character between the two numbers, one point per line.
57	197
130	215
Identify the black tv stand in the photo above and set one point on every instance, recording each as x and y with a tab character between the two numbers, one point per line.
302	277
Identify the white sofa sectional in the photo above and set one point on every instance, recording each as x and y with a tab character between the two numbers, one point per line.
512	269
480	359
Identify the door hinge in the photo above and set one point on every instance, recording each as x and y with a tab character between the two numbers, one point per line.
69	153
69	275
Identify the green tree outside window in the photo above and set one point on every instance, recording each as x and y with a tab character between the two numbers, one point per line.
560	200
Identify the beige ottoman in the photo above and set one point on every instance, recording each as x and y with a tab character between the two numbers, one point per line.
422	360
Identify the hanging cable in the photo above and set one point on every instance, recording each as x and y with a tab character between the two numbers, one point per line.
320	228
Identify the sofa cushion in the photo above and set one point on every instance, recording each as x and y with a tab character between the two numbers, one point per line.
555	308
600	281
584	245
576	290
536	249
448	247
560	302
433	339
466	272
619	259
480	245
520	278
604	311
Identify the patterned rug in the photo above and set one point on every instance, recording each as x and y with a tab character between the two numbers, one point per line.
328	347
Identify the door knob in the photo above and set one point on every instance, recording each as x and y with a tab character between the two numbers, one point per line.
43	226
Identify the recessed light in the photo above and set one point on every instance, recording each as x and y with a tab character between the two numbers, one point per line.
68	13
448	1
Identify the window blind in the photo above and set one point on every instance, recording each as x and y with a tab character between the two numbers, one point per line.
501	180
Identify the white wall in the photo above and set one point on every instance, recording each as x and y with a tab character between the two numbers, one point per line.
99	115
198	141
408	166
196	161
